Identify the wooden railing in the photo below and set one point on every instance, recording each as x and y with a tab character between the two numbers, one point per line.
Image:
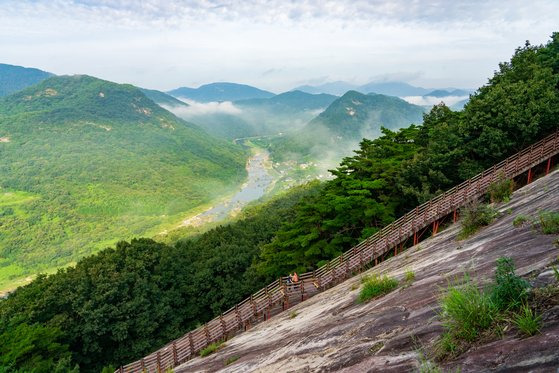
258	305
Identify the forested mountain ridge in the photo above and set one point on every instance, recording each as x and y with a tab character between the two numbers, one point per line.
86	161
346	121
15	78
222	91
162	99
355	115
257	116
292	101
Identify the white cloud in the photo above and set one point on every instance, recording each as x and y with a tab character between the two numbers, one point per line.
431	100
166	44
198	108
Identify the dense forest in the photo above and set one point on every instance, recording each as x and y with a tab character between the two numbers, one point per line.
88	161
126	301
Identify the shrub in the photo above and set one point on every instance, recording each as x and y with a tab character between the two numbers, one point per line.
556	273
211	348
231	359
466	310
475	216
376	285
519	220
409	276
527	321
549	222
509	290
501	190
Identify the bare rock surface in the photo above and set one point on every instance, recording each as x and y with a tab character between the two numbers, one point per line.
332	332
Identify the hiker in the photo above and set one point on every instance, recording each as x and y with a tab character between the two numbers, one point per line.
295	278
289	279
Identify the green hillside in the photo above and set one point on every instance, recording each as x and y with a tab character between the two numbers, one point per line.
340	127
355	115
85	162
162	99
15	78
221	91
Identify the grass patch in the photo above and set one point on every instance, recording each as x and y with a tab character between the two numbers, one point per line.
549	222
470	313
409	276
527	321
231	360
475	216
556	273
500	190
293	315
211	348
466	310
376	285
509	290
519	220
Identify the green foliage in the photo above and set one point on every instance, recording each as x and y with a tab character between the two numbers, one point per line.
466	311
120	304
549	222
527	321
556	273
501	190
33	348
348	209
293	314
98	162
376	285
409	276
230	360
475	216
509	290
519	220
211	348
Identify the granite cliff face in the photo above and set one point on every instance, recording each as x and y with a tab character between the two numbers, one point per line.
332	332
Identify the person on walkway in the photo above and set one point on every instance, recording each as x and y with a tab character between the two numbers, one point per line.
295	278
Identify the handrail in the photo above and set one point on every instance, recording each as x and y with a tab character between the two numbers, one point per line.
187	346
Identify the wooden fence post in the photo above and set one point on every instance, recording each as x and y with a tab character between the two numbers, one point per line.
175	356
191	344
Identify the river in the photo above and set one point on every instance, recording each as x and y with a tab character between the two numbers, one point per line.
260	178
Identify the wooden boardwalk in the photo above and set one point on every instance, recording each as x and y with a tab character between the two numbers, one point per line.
280	295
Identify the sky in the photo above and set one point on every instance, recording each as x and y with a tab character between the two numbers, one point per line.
276	44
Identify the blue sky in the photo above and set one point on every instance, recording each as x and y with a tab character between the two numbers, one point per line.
275	45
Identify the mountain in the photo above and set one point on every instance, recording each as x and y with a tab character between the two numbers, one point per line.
337	88
393	88
292	101
399	89
162	99
220	92
445	93
355	115
86	162
15	78
336	131
258	116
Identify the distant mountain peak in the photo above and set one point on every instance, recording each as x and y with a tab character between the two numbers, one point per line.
15	78
221	91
